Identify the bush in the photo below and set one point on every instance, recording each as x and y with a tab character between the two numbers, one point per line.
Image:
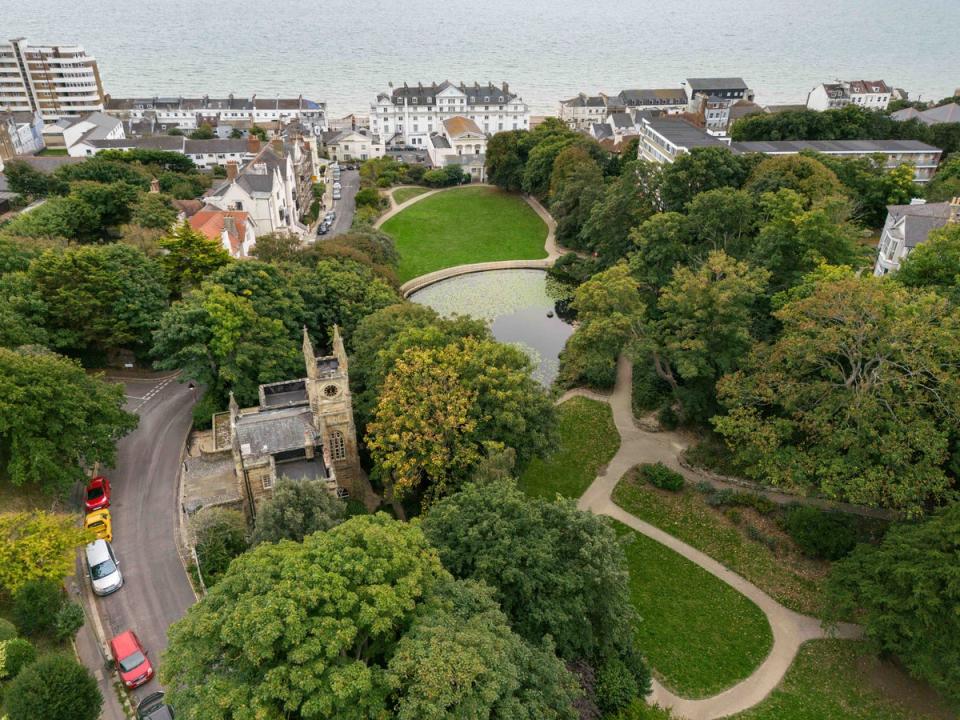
369	197
15	654
649	390
56	687
757	535
659	475
221	536
616	686
668	418
819	534
35	606
203	412
8	630
733	498
68	622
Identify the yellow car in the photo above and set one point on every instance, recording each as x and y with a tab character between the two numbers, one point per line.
99	522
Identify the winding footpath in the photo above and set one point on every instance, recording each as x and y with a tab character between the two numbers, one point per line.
418	283
790	629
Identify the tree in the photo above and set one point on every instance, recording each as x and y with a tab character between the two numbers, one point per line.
259	133
15	654
871	186
856	399
369	197
221	536
804	175
204	132
296	509
946	183
36	604
906	587
166	159
663	242
627	201
539	165
461	660
59	217
97	299
721	219
110	202
24	180
190	256
277	247
700	170
55	419
703	328
935	264
505	160
236	134
219	339
56	687
576	183
37	545
567	579
154	210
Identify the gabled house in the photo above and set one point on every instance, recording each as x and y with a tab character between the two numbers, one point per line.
870	94
908	226
21	133
96	126
459	142
233	229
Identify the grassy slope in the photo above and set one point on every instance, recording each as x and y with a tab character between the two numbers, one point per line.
467	225
686	516
588	439
827	682
700	635
401	195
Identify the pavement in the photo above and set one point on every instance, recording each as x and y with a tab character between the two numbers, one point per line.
790	629
144	508
346	206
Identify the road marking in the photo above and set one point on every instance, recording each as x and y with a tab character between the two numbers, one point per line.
154	390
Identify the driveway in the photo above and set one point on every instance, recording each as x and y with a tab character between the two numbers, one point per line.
346	205
144	506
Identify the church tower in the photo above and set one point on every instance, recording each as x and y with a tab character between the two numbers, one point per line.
328	389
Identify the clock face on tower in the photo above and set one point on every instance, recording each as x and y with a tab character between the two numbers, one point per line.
331	391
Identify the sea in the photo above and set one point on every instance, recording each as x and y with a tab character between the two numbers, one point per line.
345	52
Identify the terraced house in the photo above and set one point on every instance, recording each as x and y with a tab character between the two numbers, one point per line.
409	115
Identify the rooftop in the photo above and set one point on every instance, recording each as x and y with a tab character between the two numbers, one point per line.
717	83
421	94
834	146
275	430
458	126
656	96
682	133
920	220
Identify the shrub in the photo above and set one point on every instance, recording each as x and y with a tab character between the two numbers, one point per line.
819	534
668	418
221	536
659	475
8	630
733	515
757	535
56	687
369	197
35	606
204	410
15	654
68	622
649	391
727	497
616	686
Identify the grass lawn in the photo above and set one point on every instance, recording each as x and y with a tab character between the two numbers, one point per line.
46	152
587	440
794	581
401	195
699	634
467	225
831	679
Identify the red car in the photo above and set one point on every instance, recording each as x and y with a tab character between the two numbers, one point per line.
98	494
131	659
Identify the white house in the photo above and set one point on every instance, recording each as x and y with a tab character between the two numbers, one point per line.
582	111
908	226
235	230
409	115
21	133
95	126
870	94
459	142
354	145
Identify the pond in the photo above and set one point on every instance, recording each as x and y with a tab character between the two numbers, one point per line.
516	304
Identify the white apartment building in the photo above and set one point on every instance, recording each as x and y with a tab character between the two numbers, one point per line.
21	133
55	80
408	115
908	226
870	94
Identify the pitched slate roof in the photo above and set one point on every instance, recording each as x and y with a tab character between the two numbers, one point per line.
421	94
708	84
949	113
655	96
920	220
621	120
860	87
215	145
154	142
834	146
271	431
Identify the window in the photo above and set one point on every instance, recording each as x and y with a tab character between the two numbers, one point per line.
338	448
267	480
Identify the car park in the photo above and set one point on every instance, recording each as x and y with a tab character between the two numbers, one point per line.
152	707
103	568
98	494
99	522
131	659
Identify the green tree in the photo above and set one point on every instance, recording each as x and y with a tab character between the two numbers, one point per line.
259	133
296	509
871	186
700	170
236	134
539	166
20	310
204	132
277	247
627	201
220	340
59	217
505	160
804	175
96	299
856	399
663	242
190	256
908	592
935	264
15	654
154	210
221	535
24	180
55	687
55	419
103	170
576	183
946	182
37	602
721	219
369	197
568	579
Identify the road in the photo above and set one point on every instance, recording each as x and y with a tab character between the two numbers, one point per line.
144	507
346	205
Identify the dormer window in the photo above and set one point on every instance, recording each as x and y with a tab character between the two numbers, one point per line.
414	101
486	98
501	98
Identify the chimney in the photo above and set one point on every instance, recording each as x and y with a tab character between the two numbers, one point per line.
230	225
232	169
253	146
954	210
154	186
506	88
277	145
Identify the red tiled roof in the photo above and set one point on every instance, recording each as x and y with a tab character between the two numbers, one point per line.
210	222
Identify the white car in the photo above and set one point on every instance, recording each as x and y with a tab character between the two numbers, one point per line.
103	567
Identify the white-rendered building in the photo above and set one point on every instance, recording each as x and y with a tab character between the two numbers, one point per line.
870	94
55	80
459	142
908	226
354	145
408	115
21	134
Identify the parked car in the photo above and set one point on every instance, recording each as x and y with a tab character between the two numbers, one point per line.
103	568
336	194
323	229
131	658
99	522
98	494
152	707
336	186
331	216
